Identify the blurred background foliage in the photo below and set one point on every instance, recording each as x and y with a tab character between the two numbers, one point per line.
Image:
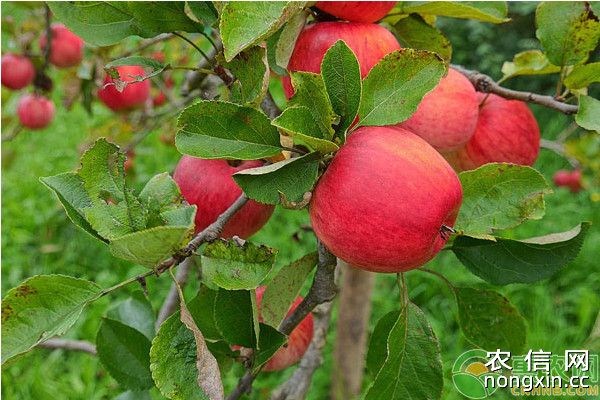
37	237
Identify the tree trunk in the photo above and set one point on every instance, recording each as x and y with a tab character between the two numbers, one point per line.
352	329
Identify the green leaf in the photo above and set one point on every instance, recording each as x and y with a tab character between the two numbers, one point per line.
505	261
68	187
269	342
204	11
530	62
151	246
136	312
292	178
378	343
310	92
490	321
287	39
487	11
173	361
251	69
217	129
42	307
299	123
500	196
144	62
397	84
125	352
161	193
202	309
281	292
272	43
415	33
588	116
134	395
341	76
413	366
232	266
244	24
207	368
568	31
583	75
236	317
105	23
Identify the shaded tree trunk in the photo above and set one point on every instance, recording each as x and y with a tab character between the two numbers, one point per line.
352	331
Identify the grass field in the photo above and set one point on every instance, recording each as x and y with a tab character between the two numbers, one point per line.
37	238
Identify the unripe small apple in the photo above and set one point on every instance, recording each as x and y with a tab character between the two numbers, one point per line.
16	71
447	116
369	42
357	11
298	340
569	179
35	111
506	131
134	95
66	49
209	185
386	201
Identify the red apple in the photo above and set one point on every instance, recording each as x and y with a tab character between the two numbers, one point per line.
298	340
129	161
447	116
385	201
158	56
66	49
35	111
17	71
569	179
134	95
208	184
369	42
506	131
160	98
357	11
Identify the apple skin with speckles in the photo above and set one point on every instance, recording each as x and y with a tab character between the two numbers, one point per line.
386	200
369	42
209	185
506	131
447	116
357	11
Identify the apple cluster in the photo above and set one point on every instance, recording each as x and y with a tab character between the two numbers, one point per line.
389	198
568	179
36	111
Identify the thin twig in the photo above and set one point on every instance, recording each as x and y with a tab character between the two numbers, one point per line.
269	106
485	84
66	344
323	290
559	148
193	44
147	43
172	300
48	17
